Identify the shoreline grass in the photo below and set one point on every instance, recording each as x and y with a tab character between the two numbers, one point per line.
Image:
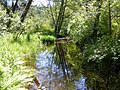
17	61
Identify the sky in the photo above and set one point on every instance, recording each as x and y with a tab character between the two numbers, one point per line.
35	2
38	2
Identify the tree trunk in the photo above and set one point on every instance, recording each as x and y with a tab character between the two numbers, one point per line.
52	15
14	6
109	22
60	18
8	13
86	5
26	10
95	27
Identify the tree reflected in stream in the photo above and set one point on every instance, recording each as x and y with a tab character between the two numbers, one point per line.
61	50
59	67
62	67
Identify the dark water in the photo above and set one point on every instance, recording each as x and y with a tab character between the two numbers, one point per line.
62	67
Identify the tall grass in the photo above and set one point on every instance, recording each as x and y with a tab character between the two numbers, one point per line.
17	61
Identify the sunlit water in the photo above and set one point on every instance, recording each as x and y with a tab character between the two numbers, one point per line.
51	76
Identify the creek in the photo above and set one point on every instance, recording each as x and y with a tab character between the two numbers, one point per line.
62	67
56	68
51	76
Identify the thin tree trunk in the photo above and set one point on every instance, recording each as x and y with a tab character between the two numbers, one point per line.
26	10
52	15
86	5
14	6
95	27
60	18
8	13
109	12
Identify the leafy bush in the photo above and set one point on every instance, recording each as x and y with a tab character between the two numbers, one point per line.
104	54
102	63
104	47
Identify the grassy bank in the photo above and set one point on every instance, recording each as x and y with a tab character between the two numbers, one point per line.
17	61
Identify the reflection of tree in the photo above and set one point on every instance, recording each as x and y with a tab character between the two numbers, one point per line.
61	53
70	62
100	75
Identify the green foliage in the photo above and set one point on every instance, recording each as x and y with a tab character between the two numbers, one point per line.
81	22
102	62
18	41
48	39
101	56
104	48
2	18
16	61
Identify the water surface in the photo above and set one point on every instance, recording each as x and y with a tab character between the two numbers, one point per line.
62	67
55	70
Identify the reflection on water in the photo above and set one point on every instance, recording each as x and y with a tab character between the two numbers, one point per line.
81	84
52	76
64	68
48	73
54	73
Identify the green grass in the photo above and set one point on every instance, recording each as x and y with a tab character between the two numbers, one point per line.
47	39
17	61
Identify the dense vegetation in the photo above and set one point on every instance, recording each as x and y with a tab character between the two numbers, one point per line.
93	25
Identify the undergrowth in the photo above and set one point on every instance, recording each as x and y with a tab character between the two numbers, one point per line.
17	61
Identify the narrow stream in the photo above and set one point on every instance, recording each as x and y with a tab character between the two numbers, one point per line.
51	75
63	68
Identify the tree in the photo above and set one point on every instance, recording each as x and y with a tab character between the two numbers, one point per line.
109	12
15	6
97	16
26	10
58	17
